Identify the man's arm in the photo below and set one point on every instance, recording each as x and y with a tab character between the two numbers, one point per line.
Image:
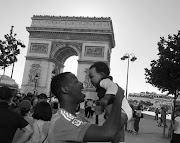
26	135
111	126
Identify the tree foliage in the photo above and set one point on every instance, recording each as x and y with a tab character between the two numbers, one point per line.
165	72
9	49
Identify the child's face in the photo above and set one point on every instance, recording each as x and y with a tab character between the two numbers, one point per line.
94	76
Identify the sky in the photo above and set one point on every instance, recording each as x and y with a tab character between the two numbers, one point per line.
137	24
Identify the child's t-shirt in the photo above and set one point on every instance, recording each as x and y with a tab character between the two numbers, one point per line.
112	88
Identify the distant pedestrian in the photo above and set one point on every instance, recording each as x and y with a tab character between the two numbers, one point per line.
93	108
163	116
42	97
98	111
89	106
130	123
137	117
156	114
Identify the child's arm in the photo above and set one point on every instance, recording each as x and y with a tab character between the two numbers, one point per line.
107	99
111	90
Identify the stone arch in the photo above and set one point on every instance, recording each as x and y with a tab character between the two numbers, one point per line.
53	39
62	51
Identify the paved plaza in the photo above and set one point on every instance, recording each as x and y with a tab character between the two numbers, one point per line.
149	132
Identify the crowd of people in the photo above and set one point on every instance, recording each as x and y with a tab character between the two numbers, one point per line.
160	117
34	119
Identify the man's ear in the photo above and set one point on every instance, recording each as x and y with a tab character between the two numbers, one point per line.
65	89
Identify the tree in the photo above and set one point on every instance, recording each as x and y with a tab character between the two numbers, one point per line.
165	72
9	49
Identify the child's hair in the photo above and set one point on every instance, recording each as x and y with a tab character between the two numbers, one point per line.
111	78
42	111
101	67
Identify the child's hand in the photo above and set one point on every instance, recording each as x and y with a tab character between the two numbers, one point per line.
104	102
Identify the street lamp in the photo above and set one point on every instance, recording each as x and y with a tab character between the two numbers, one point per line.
132	59
35	84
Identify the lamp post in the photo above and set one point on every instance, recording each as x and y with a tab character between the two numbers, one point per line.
132	58
52	75
35	84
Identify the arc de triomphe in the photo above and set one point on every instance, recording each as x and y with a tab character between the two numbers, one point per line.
53	39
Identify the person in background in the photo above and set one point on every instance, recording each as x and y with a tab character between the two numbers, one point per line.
42	97
130	123
89	105
42	115
66	126
85	108
24	110
163	116
93	108
10	121
98	111
156	114
176	127
137	117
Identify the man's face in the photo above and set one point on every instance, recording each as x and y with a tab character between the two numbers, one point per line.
75	88
94	76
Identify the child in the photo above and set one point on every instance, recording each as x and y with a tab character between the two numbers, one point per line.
99	76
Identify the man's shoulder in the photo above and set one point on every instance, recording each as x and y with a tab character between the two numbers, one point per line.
65	118
13	114
65	126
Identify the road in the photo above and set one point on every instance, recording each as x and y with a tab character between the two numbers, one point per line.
149	132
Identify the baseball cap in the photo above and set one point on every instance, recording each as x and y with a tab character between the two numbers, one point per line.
25	105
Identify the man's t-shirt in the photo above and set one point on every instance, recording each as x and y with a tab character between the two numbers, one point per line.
65	127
